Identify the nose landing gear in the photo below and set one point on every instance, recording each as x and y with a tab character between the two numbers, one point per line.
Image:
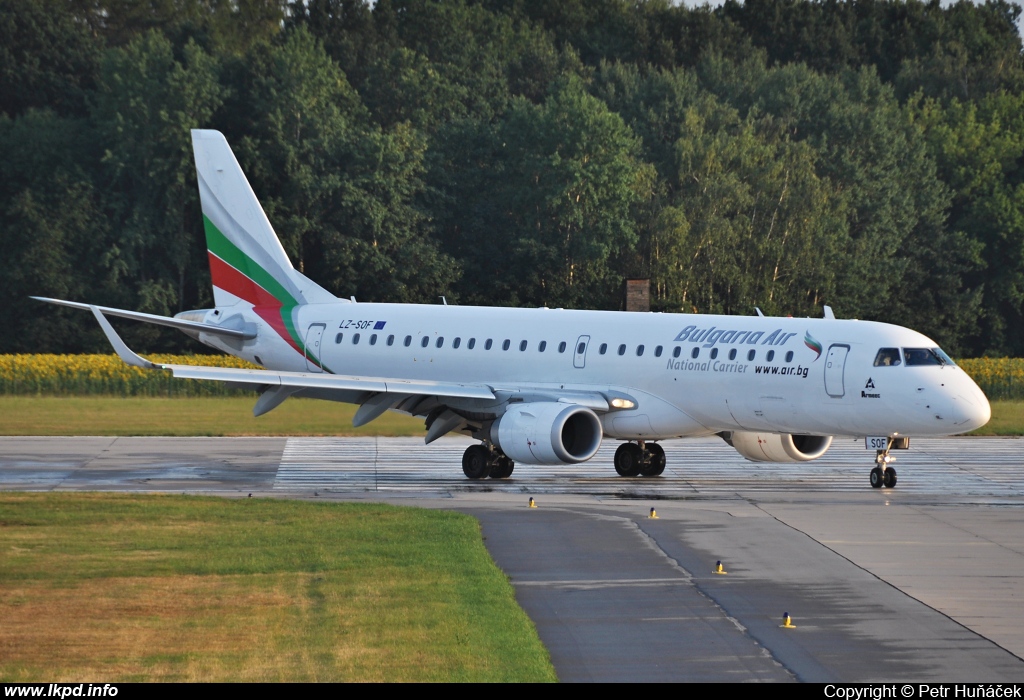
883	474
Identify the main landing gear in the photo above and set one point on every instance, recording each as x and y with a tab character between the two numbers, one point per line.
883	474
639	459
482	461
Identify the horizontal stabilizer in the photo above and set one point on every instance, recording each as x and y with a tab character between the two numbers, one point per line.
178	323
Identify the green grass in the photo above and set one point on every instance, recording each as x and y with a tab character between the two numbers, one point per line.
116	587
213	416
104	415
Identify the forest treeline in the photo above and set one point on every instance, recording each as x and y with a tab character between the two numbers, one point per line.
782	154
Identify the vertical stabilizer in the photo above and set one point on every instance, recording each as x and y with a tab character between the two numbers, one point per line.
247	262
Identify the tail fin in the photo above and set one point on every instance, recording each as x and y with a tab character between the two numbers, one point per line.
247	262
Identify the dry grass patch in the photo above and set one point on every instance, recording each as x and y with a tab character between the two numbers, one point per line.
117	587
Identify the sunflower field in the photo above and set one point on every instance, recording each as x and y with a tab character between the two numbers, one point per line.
1001	378
107	375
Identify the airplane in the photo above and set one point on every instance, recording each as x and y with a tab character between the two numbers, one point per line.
544	386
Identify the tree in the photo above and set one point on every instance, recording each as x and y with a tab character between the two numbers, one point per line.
146	104
543	202
340	190
52	231
47	58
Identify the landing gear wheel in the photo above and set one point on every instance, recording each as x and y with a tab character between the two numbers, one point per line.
628	459
655	460
889	478
502	468
476	462
877	480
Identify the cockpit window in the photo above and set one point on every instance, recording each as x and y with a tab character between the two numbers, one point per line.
926	356
887	357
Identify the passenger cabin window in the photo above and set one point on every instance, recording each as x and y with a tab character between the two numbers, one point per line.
581	348
373	339
543	346
789	356
456	343
408	340
488	344
750	355
714	353
603	349
695	353
355	339
732	354
678	349
440	342
622	349
770	356
425	342
888	357
561	346
506	345
337	338
657	351
471	344
522	346
391	340
639	350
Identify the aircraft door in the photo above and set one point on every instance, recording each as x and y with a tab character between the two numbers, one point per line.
835	365
314	336
579	360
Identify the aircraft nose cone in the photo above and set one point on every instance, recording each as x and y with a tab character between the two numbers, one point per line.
971	409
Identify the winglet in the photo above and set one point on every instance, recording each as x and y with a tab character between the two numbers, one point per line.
122	350
828	312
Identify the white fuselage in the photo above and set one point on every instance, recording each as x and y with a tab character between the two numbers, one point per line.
690	374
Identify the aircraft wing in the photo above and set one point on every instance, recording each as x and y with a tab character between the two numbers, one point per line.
375	395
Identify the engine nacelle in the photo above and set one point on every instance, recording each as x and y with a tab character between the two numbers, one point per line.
547	433
770	447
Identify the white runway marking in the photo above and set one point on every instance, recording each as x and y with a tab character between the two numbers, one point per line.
987	467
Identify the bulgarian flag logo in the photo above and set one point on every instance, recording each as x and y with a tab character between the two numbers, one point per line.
813	344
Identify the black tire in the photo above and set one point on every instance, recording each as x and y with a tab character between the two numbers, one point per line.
502	468
655	460
628	459
889	478
877	480
476	462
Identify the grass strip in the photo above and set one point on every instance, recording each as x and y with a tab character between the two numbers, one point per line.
209	416
223	416
116	587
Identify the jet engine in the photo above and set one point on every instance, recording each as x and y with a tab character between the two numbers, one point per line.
546	432
771	447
